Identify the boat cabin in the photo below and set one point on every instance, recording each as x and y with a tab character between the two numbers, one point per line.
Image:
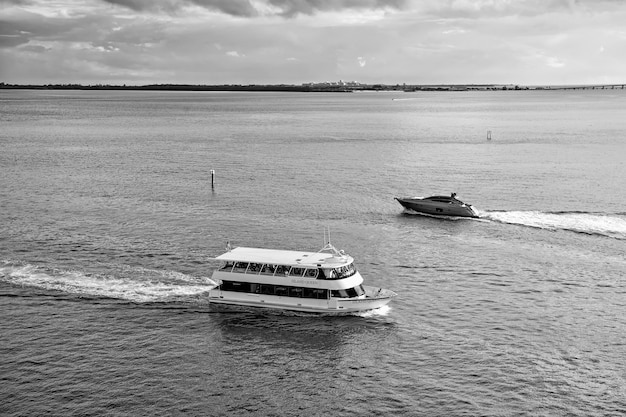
248	276
270	262
288	271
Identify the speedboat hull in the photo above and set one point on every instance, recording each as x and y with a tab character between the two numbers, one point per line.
438	206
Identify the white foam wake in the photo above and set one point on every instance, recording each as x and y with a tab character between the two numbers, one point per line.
380	311
134	284
605	225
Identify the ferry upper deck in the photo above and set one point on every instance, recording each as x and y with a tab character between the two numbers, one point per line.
285	257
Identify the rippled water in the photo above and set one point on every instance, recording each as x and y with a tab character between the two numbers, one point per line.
109	223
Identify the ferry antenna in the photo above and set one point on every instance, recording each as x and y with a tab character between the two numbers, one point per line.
329	246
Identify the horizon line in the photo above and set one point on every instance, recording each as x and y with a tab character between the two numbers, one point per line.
340	86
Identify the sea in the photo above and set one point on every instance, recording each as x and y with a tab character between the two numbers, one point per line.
114	204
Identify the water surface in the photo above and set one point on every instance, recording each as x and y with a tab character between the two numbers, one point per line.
109	223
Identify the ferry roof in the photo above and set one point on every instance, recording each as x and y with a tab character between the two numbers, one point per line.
284	257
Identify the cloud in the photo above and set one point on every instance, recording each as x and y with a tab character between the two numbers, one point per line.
247	8
291	8
37	49
555	62
241	8
9	41
18	27
14	2
486	9
419	41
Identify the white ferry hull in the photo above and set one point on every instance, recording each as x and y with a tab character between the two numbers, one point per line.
374	298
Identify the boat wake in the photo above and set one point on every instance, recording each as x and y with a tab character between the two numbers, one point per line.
133	284
613	226
380	311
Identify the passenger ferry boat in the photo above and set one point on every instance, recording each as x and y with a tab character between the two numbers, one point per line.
322	282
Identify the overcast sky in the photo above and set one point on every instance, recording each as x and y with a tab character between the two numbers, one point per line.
135	42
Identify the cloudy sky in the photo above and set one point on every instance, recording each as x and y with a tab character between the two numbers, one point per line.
135	42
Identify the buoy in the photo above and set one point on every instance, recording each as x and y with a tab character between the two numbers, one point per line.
489	135
212	178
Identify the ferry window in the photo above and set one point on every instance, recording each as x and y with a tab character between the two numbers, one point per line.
240	267
267	269
351	292
315	293
321	294
282	270
339	293
343	272
359	290
295	292
240	286
280	290
311	273
267	289
253	268
235	286
297	272
227	266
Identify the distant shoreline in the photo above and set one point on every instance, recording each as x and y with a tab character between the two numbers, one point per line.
321	87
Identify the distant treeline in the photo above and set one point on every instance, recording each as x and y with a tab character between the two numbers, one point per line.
178	87
322	87
312	87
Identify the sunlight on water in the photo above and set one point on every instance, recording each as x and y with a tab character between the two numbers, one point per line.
577	222
160	286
